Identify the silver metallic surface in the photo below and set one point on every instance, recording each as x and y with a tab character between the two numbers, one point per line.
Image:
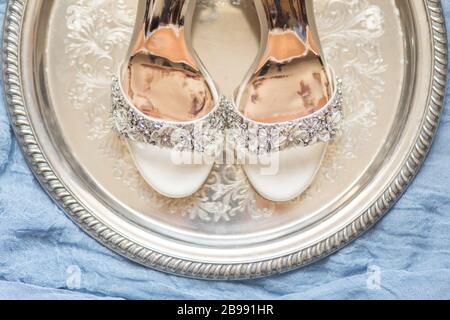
221	241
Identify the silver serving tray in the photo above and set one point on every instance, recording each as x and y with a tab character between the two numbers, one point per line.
58	59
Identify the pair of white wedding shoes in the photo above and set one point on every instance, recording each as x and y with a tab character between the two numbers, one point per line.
168	109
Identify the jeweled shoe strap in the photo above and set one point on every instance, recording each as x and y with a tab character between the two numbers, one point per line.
202	135
207	134
321	126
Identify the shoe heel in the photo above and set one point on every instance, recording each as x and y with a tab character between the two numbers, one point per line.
165	12
291	15
153	14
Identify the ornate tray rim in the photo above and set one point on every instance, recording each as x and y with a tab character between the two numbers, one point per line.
110	238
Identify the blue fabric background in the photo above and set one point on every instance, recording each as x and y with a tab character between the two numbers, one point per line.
41	249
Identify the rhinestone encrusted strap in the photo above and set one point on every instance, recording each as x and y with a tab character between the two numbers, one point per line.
203	135
323	125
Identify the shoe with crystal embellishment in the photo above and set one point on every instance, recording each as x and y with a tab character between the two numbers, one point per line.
164	103
290	104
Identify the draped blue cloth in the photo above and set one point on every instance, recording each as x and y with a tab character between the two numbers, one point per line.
43	255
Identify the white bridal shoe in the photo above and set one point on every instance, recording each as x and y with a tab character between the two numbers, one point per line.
165	104
290	104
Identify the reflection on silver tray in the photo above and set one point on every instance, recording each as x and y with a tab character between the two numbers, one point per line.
59	102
